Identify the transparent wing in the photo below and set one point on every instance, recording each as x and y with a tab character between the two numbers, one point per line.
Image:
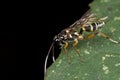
85	19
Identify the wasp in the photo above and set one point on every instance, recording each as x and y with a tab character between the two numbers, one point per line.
89	22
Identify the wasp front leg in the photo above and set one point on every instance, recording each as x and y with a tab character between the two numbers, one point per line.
75	42
65	45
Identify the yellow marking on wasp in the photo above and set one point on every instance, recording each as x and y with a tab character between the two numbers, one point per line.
91	27
70	35
76	33
83	28
75	42
67	31
80	37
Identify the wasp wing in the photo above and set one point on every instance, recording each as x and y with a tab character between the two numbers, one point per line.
87	18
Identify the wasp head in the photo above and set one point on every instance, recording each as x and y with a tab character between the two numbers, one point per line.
61	37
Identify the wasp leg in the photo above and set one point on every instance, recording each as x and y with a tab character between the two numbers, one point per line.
91	35
102	35
65	50
107	37
65	46
75	42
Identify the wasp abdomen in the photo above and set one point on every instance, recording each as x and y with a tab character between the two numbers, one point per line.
93	26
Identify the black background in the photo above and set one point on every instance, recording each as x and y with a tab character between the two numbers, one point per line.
7	56
39	23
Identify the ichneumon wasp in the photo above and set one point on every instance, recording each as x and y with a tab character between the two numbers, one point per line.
89	22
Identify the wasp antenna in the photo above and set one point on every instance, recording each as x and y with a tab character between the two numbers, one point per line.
53	54
45	65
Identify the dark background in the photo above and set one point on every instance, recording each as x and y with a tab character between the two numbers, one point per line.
48	20
38	23
7	56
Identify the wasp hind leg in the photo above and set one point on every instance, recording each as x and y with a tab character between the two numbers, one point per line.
91	35
102	35
107	37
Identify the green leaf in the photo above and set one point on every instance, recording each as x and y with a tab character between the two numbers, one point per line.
100	58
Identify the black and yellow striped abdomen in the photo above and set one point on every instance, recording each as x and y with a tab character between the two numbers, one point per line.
93	26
